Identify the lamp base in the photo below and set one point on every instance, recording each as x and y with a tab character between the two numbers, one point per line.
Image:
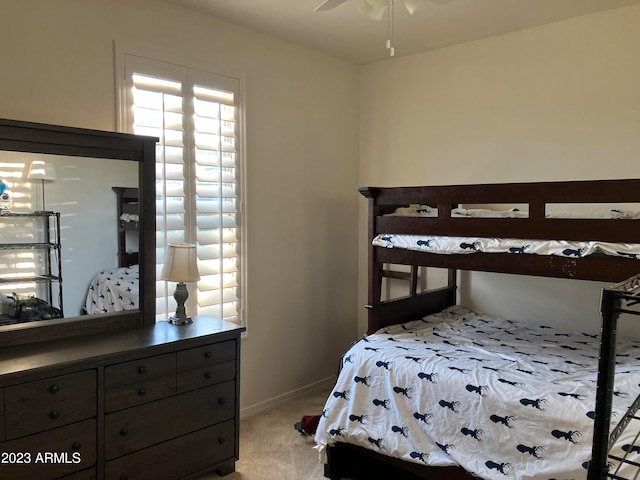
180	321
181	294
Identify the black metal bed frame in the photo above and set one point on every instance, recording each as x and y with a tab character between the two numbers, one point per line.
616	300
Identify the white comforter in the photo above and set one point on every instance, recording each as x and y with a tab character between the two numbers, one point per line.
114	290
464	245
500	399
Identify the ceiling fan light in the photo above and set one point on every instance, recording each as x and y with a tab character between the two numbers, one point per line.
412	5
372	11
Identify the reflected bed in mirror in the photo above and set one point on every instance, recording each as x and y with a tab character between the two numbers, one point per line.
117	288
81	189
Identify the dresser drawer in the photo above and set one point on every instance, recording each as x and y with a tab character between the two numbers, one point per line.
50	403
133	372
142	391
51	454
207	355
179	457
88	474
135	428
208	365
206	375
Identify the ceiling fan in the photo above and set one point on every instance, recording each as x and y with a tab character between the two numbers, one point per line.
375	9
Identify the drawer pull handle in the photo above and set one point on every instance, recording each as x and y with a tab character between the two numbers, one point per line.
76	446
221	440
124	477
124	431
142	392
53	415
208	374
54	389
207	354
221	401
142	370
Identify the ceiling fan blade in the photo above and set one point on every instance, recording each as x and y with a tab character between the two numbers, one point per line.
329	5
373	9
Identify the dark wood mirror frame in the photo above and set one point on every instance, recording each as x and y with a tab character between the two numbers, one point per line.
20	136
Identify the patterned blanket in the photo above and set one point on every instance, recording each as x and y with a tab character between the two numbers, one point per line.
464	245
114	290
499	398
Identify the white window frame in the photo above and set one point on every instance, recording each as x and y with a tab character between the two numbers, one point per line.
121	51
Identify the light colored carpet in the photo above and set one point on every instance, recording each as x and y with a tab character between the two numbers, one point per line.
271	449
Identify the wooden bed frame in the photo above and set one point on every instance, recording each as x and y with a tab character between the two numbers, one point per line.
126	202
536	197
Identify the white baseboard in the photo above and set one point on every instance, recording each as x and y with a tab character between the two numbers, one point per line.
274	402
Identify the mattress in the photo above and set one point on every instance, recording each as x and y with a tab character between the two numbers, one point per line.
499	398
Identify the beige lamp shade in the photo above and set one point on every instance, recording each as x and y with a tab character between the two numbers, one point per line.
41	170
180	264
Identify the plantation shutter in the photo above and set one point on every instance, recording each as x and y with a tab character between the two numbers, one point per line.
195	115
216	193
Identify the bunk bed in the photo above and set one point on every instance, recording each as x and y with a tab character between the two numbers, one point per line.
347	436
117	289
127	206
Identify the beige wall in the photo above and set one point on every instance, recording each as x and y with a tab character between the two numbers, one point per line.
301	151
556	102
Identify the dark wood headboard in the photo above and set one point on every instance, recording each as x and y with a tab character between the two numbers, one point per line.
536	197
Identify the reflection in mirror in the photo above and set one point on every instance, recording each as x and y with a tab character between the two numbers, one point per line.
81	191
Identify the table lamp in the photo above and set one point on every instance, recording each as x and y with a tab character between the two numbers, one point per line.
180	266
41	170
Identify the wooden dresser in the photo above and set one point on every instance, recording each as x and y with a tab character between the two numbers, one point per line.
152	402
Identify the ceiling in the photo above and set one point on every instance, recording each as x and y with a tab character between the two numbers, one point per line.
346	33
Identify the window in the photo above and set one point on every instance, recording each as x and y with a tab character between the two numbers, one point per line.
196	116
18	194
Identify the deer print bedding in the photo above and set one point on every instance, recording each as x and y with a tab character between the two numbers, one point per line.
463	245
113	290
499	398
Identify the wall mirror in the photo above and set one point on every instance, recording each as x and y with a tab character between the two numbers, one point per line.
91	170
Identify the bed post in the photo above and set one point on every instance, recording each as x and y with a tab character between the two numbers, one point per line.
604	394
374	268
452	278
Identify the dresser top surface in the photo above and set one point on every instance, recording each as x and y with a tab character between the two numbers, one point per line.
102	348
